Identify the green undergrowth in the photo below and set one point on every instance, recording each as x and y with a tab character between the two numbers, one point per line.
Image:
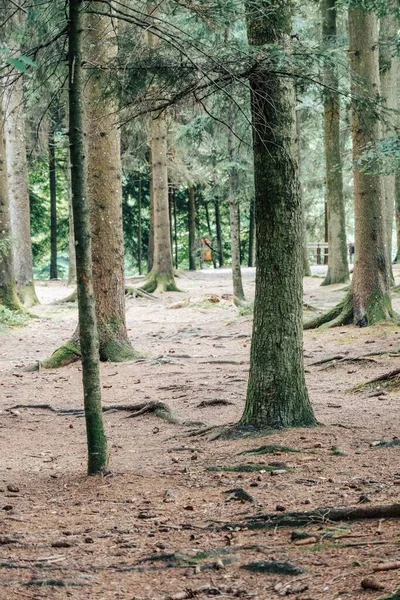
247	468
271	449
13	318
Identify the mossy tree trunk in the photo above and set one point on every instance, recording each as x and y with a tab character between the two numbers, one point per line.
276	395
150	248
13	103
368	301
8	290
338	268
192	227
96	439
139	229
388	66
105	192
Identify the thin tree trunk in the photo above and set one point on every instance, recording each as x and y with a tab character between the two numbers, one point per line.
338	268
306	261
175	230
18	192
388	65
53	204
150	248
139	234
252	237
96	439
8	290
71	237
397	213
276	395
161	276
210	233
171	228
192	228
219	233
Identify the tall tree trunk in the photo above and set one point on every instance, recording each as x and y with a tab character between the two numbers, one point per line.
96	439
397	214
219	233
18	192
192	228
105	194
210	233
105	201
252	237
388	65
53	204
71	236
234	220
161	276
306	261
8	290
338	268
370	284
368	300
276	395
175	230
139	233
150	248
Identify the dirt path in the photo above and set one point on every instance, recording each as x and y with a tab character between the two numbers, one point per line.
153	528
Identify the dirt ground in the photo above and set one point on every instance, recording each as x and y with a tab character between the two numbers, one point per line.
162	525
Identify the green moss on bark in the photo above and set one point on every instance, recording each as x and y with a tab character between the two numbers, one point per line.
155	282
65	355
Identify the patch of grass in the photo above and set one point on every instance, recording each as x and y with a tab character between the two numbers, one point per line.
269	449
244	468
336	452
246	309
12	318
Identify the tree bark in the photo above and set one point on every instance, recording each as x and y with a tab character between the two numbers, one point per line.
161	276
277	396
306	261
219	233
18	191
175	230
368	301
53	204
338	268
370	284
252	237
71	237
8	290
192	228
150	248
89	342
139	234
388	66
105	193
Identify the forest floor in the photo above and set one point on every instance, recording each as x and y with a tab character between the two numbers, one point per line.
155	528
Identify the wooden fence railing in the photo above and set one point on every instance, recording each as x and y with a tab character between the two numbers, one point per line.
318	252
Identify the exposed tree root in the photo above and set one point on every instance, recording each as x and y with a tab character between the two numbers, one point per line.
73	297
391	378
342	359
271	449
160	409
134	292
64	355
395	596
320	515
216	402
378	310
158	283
341	314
